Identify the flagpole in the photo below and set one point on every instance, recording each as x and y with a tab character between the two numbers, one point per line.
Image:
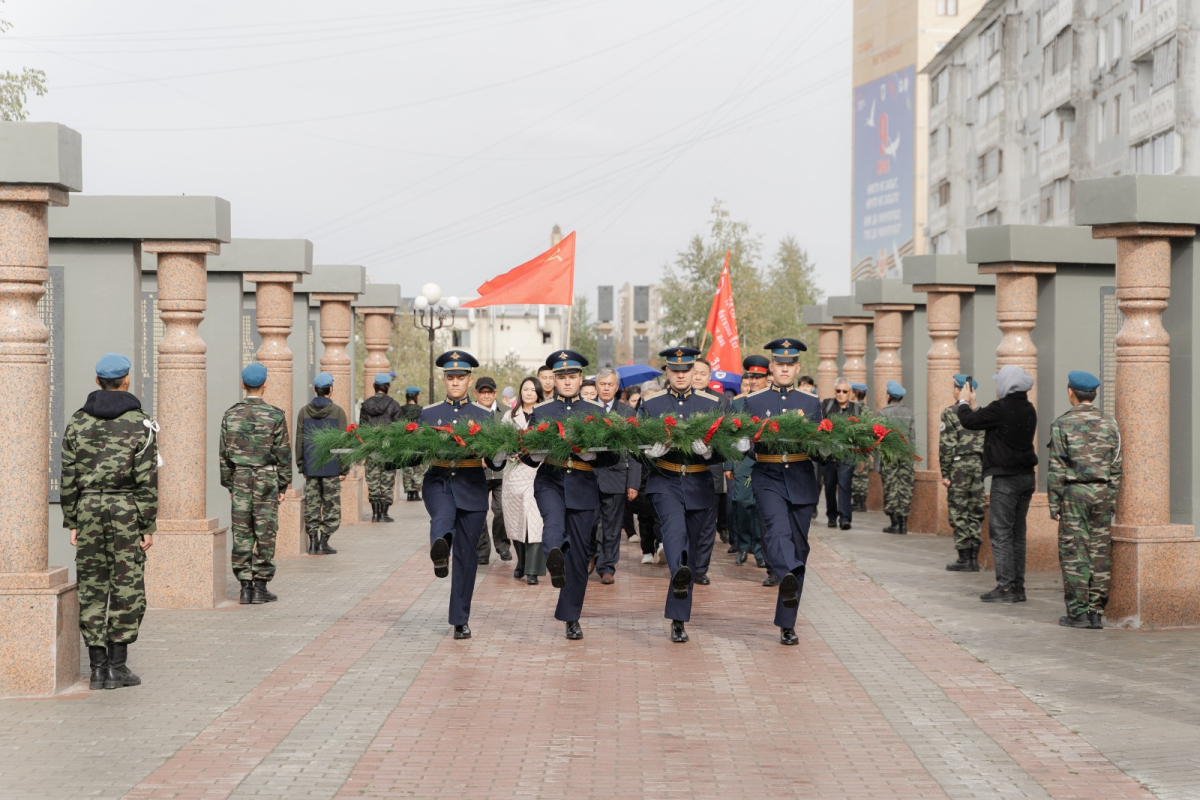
570	314
703	339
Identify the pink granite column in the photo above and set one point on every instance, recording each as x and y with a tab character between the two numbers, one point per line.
273	312
186	569
1154	562
337	326
854	345
377	335
943	307
889	335
828	343
1016	314
39	607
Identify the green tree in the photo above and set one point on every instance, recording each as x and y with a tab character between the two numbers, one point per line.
583	330
16	86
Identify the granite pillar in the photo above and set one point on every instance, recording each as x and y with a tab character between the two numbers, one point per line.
39	607
854	345
889	327
186	569
377	336
828	344
337	326
1154	561
273	312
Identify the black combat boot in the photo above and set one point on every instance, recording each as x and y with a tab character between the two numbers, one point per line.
312	544
383	512
963	564
891	528
119	675
247	595
261	594
376	512
98	658
975	558
323	546
417	495
902	525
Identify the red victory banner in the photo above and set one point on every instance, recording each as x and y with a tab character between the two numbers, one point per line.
726	350
548	279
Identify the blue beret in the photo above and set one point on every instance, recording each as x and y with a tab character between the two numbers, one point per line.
858	387
382	378
895	389
112	366
412	390
1082	381
960	380
323	380
254	375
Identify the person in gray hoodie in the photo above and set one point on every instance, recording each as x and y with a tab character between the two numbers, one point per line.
1010	425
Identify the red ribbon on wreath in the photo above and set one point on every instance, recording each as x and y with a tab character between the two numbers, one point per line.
473	429
880	432
713	429
767	423
562	434
450	429
352	428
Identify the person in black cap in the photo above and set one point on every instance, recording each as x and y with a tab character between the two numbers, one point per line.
567	493
456	492
485	395
681	486
785	485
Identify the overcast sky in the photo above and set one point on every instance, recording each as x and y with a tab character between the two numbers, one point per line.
443	140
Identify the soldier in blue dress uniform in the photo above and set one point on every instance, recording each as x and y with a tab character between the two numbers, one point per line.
681	487
567	493
456	492
785	485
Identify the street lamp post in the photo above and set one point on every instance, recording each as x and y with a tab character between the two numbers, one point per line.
430	311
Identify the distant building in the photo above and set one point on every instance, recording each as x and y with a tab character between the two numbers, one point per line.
637	328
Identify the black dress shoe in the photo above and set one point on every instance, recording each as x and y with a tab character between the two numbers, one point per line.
788	636
760	563
574	631
999	595
681	583
483	562
439	553
1094	620
462	632
531	580
831	524
506	555
1019	594
845	525
1078	621
518	572
771	580
741	559
703	579
678	634
789	591
733	548
556	565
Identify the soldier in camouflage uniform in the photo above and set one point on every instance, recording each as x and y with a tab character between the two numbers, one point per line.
860	482
254	459
960	454
322	480
110	505
413	475
380	410
1082	482
898	475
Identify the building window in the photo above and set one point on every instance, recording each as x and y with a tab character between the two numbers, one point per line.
460	338
1156	156
989	165
940	244
989	219
941	194
939	87
1056	56
990	104
1102	122
947	8
1165	65
990	41
1056	199
1056	126
545	337
1116	116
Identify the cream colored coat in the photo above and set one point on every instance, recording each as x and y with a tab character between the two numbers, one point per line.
522	520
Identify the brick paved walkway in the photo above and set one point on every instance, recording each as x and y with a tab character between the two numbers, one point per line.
350	686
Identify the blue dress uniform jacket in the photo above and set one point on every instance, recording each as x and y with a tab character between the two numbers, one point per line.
786	493
457	500
685	502
568	498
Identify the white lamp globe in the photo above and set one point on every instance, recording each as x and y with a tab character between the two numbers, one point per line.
420	303
451	302
431	292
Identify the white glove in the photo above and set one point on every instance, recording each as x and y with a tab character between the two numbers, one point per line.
658	450
701	449
537	457
586	456
742	445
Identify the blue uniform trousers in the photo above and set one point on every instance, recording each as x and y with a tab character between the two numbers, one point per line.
462	529
683	532
785	539
570	530
838	476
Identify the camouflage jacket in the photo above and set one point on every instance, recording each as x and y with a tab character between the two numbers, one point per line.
955	441
254	434
901	416
109	446
1085	447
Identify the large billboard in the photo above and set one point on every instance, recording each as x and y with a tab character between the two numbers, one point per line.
884	181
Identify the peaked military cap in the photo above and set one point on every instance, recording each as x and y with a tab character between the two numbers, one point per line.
679	358
755	365
564	361
785	351
456	362
112	366
1082	381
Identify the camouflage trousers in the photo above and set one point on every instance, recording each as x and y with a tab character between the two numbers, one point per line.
898	487
413	477
860	482
255	520
111	566
381	483
1085	546
965	499
322	506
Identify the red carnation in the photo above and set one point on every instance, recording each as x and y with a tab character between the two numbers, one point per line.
410	427
669	421
545	426
826	425
473	429
633	421
588	418
756	419
852	419
351	428
773	426
880	431
737	423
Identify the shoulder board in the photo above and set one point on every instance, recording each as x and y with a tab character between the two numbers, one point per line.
433	405
545	402
760	391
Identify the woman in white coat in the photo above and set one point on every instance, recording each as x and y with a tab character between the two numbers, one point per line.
522	520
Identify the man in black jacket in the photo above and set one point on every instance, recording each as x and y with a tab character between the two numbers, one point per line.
1010	425
380	410
618	484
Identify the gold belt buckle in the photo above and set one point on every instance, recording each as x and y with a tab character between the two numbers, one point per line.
785	458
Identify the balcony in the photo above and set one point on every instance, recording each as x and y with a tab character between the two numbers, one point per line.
937	168
1166	18
1056	90
1141	35
1055	19
938	220
1162	109
987	196
1139	121
938	114
1055	162
993	72
987	135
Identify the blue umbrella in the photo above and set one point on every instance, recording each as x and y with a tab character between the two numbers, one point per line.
730	380
634	374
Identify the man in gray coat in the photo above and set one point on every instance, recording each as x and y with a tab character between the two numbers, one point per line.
618	484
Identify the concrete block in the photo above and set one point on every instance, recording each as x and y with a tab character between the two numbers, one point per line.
41	153
154	218
1038	244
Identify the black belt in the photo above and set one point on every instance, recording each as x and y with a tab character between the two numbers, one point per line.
106	491
1084	483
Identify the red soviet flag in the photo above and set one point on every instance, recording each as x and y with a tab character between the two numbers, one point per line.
548	279
726	351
